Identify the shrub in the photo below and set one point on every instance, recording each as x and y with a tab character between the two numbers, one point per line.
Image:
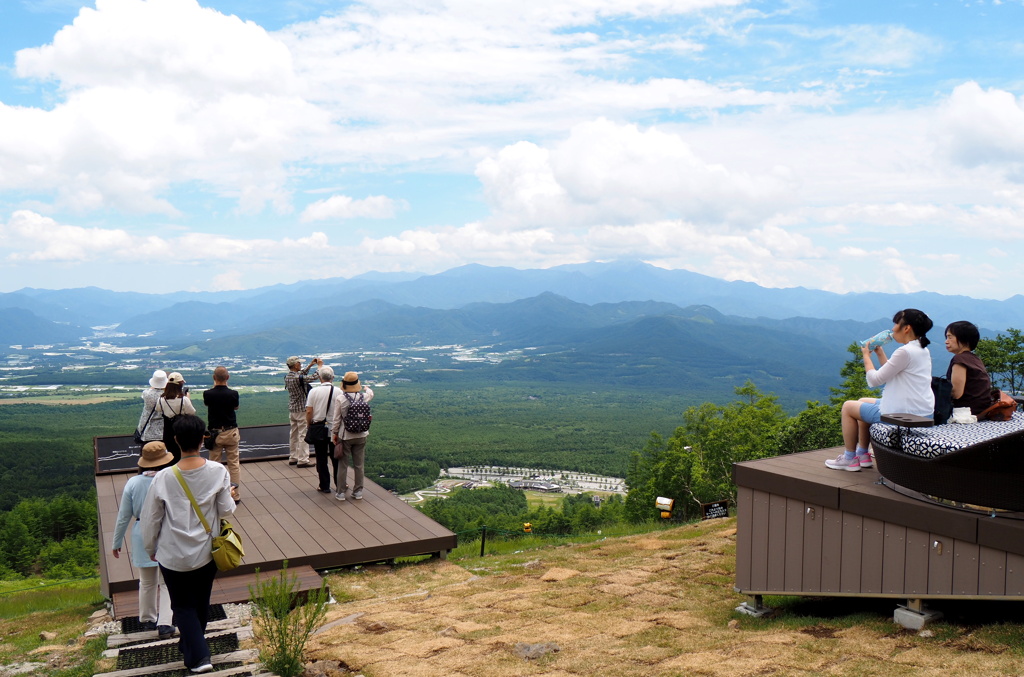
280	627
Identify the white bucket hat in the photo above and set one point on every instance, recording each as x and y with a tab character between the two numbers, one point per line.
159	379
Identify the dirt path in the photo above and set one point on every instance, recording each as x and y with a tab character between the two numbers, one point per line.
652	605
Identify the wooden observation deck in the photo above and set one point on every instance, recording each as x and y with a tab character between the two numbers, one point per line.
282	517
804	529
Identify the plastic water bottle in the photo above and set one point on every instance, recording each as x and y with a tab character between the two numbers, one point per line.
879	339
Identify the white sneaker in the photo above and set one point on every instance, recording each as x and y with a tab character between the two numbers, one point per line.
357	495
340	496
843	463
865	460
203	667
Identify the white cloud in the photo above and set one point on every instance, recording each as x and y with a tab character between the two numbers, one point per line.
228	281
339	207
884	46
31	237
612	173
978	127
156	94
164	44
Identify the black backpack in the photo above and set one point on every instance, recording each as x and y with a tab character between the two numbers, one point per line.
942	389
357	418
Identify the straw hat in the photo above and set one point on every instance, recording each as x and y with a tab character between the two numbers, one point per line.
350	382
155	454
159	379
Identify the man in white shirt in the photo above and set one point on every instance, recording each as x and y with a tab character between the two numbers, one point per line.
320	406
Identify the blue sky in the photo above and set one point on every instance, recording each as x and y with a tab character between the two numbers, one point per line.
160	145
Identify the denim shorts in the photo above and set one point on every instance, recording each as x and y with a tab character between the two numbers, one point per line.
869	412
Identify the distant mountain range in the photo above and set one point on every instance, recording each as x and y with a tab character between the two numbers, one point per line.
642	324
182	315
625	324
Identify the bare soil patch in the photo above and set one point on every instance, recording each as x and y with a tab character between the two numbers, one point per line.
651	605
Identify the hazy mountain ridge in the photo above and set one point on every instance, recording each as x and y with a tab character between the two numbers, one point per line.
187	316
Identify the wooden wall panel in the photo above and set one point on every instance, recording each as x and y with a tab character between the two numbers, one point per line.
941	551
872	547
915	573
991	571
894	559
831	550
814	523
787	545
1014	574
744	534
759	542
777	544
965	568
849	568
794	575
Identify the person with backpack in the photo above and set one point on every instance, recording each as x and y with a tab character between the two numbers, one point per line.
172	405
350	427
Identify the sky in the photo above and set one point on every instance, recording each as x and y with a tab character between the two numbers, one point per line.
167	145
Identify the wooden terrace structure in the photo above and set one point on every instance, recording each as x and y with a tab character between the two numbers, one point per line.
803	529
281	517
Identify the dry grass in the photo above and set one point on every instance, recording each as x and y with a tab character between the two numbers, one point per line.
653	604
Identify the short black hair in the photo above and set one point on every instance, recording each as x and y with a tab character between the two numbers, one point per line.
189	430
966	333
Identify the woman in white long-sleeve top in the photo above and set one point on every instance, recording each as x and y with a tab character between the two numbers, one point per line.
154	602
174	535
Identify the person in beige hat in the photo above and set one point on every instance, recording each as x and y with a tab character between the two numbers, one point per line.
154	602
350	446
173	404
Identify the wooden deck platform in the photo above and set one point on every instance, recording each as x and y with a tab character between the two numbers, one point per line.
283	517
804	529
227	589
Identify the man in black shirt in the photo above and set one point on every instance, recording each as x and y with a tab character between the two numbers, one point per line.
221	403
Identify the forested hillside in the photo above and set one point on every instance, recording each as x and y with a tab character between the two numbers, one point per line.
46	450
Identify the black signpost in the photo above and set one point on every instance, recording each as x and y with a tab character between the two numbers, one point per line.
714	510
119	453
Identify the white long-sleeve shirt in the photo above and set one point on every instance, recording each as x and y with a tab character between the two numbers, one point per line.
171	530
907	376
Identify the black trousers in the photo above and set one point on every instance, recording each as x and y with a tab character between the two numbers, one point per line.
190	603
324	454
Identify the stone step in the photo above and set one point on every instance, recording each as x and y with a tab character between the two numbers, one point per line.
242	656
114	641
244	632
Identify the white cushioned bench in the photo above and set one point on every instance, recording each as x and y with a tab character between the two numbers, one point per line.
934	441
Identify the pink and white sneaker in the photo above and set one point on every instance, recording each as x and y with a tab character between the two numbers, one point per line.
843	463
